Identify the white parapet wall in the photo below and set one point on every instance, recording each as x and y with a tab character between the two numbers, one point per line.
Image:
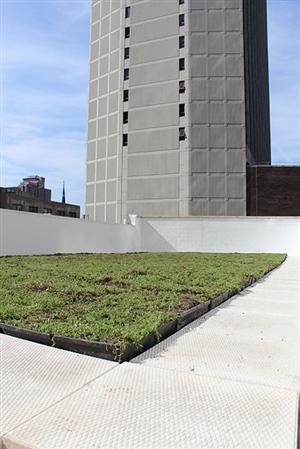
222	234
24	233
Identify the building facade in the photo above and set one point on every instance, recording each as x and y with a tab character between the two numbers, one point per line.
178	106
36	186
273	191
14	198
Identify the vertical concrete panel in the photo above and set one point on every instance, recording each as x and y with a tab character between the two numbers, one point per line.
89	193
199	186
101	148
199	161
217	161
90	172
111	191
91	151
217	186
100	192
235	187
101	167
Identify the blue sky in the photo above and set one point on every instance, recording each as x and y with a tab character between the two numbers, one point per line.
44	73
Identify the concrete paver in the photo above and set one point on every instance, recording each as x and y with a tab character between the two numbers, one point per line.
34	377
137	406
228	380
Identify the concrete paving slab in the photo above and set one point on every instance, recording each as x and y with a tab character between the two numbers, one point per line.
248	338
34	377
251	323
136	406
230	356
267	304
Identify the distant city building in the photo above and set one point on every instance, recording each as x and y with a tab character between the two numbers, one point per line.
36	186
31	196
178	107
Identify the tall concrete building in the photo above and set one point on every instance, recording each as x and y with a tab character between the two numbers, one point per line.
178	106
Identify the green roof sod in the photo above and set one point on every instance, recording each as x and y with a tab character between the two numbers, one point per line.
120	300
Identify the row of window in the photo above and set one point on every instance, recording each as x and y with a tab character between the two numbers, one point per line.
182	136
181	113
46	210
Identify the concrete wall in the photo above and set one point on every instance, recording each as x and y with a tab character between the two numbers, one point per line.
232	234
26	233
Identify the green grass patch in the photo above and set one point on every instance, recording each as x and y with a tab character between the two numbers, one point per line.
117	298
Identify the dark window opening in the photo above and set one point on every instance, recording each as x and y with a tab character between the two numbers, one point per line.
126	53
125	140
127	32
125	117
181	20
17	206
126	74
72	214
181	2
33	209
182	110
181	64
181	87
181	41
126	95
127	12
182	135
61	213
47	211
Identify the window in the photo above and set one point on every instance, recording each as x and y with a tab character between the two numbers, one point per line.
127	32
182	135
126	53
72	214
181	2
127	12
181	41
182	110
61	213
33	209
181	87
125	95
17	206
47	211
125	140
181	20
125	117
126	74
181	64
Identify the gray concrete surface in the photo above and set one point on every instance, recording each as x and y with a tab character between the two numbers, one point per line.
228	380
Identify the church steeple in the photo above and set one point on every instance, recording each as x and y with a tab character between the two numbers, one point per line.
63	200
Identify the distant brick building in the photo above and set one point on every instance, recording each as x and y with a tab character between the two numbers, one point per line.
31	196
273	191
36	186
